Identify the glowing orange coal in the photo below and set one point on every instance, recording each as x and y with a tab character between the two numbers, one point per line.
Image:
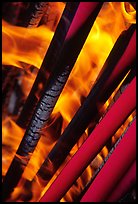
29	45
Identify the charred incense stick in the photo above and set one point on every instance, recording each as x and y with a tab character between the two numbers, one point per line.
48	64
9	183
129	77
93	144
115	167
26	14
62	52
74	35
57	81
90	110
126	183
34	13
123	66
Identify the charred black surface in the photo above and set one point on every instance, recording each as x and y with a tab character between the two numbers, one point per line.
49	64
55	84
26	14
32	135
90	108
130	196
61	66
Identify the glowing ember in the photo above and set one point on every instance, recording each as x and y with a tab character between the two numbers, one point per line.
29	45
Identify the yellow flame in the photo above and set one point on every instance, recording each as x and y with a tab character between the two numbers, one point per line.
128	12
11	136
105	31
24	44
28	45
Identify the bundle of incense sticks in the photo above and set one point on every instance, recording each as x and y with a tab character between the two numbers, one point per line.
115	167
90	111
92	146
70	31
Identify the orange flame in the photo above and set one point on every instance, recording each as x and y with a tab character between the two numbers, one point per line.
24	44
105	31
28	45
11	136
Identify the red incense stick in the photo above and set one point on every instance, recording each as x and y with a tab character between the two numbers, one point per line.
124	64
127	58
115	167
84	11
124	185
94	143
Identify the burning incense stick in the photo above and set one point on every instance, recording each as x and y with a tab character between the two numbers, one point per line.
26	14
61	66
49	63
38	9
57	81
63	50
122	66
93	144
89	111
9	183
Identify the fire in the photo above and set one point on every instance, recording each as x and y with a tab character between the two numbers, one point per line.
28	45
22	46
105	31
10	143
